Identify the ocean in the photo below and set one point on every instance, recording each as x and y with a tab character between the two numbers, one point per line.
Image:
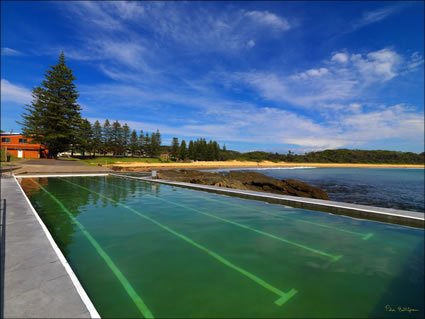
399	188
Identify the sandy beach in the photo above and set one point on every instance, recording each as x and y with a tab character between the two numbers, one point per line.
140	166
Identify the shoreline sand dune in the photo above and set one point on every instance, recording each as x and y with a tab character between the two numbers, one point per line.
133	166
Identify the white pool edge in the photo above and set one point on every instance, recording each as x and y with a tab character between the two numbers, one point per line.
60	175
369	210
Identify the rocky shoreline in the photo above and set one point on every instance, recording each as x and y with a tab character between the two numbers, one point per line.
246	181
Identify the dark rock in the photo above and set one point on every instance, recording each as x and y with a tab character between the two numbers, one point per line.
297	188
245	181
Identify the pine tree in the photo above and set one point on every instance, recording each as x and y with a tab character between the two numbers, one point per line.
84	137
97	138
191	150
203	150
53	117
148	145
125	138
155	143
175	148
116	133
216	151
158	137
197	150
183	150
107	137
209	154
141	142
158	143
134	145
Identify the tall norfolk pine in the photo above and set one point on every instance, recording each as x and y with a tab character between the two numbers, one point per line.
53	117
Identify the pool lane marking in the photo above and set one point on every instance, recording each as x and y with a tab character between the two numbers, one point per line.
313	250
283	297
362	235
144	310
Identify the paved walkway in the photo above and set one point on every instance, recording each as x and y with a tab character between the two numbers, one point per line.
34	283
50	166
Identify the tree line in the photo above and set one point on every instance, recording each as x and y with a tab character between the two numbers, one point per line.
116	139
54	119
119	140
198	150
333	156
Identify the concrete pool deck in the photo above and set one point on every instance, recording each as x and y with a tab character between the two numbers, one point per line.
50	166
36	280
386	215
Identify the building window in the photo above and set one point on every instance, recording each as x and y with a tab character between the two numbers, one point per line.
5	139
22	140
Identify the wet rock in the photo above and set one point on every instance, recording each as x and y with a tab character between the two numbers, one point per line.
245	181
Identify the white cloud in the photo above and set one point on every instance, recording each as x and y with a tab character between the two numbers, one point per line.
302	89
96	14
415	61
396	121
335	87
374	16
130	54
108	33
14	93
340	57
225	120
227	31
317	143
310	73
271	19
241	123
127	10
10	52
379	65
338	82
251	43
354	107
367	127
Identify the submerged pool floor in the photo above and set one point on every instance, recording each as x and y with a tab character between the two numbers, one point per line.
148	250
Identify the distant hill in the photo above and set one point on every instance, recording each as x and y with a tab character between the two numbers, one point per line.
332	156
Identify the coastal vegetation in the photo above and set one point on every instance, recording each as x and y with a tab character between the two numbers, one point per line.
110	160
333	156
121	142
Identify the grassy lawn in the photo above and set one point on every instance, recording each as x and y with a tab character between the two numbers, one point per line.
3	157
113	160
5	163
68	158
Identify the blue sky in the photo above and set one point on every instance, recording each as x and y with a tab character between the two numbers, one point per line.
273	76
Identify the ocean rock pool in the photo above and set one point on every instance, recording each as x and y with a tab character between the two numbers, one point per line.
147	250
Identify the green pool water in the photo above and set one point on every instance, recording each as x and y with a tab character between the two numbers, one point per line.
147	250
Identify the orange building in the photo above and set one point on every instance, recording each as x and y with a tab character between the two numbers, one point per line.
19	146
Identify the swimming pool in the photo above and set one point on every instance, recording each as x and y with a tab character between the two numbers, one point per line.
147	250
